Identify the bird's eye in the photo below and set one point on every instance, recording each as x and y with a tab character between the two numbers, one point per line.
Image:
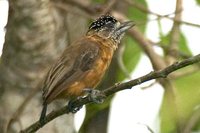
105	20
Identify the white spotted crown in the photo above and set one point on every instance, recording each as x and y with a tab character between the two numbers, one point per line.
102	21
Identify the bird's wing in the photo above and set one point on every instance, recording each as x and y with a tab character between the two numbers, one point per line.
72	65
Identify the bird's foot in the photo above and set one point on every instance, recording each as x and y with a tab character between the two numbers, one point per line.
72	108
95	96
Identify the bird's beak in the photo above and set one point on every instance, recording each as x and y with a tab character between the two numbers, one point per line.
123	27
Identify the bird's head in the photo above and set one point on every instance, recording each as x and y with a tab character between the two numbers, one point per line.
108	27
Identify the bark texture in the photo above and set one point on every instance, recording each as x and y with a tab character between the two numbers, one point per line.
36	35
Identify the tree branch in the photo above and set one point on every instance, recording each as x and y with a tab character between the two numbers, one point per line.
156	60
115	88
172	53
193	121
146	10
109	6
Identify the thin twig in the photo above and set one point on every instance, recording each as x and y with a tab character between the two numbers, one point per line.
156	60
109	6
120	61
67	9
93	12
148	127
193	120
172	53
113	89
82	6
148	86
145	10
195	68
165	48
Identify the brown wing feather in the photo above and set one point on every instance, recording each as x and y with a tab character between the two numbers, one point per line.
74	63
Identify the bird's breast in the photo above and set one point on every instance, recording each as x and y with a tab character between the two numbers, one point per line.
101	64
93	76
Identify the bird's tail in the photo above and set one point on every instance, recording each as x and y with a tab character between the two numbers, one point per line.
43	114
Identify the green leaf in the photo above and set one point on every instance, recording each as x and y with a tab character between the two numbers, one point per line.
139	17
198	2
167	122
130	58
183	45
132	52
186	92
189	89
187	98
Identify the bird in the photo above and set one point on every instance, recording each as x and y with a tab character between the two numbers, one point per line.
83	64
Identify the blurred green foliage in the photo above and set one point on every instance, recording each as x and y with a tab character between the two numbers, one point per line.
198	2
183	45
187	92
132	51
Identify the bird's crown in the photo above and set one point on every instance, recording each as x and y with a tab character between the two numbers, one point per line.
107	27
105	20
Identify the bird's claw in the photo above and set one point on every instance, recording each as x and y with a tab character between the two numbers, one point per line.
95	96
72	108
